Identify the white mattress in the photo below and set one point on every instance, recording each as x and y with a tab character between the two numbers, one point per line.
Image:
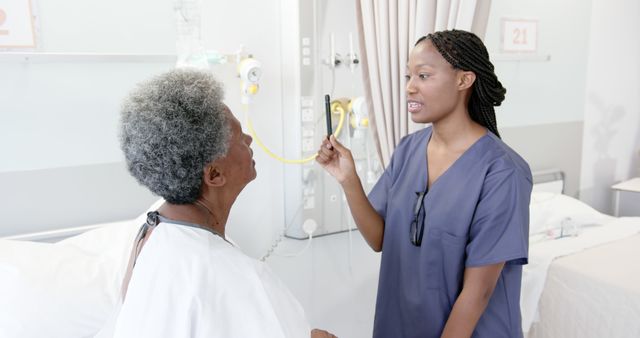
579	227
64	289
594	293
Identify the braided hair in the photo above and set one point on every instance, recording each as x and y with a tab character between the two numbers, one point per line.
465	51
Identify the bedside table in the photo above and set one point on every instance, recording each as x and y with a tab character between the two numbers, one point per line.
626	198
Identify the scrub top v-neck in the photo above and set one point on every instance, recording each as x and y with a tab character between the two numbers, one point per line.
476	213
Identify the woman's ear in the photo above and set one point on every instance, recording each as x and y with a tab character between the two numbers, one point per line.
466	79
213	175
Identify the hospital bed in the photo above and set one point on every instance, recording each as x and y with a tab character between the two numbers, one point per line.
595	293
583	276
582	280
63	283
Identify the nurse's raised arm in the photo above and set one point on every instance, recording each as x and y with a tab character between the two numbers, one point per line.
337	160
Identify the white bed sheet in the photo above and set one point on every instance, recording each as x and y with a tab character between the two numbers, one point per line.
64	289
594	293
549	212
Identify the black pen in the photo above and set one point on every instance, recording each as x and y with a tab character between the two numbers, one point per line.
327	111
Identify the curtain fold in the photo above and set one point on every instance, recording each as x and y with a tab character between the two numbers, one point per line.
387	31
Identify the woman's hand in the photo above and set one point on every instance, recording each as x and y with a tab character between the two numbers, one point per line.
317	333
337	160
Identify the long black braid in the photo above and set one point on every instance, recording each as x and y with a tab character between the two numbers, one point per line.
465	51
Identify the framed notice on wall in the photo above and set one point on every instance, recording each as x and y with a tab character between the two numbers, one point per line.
17	29
519	35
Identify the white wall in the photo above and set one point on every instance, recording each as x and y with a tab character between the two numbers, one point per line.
65	114
542	92
593	76
612	106
545	98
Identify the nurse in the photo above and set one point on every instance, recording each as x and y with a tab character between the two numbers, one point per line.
451	211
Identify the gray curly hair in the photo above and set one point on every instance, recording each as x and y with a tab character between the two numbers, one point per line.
172	126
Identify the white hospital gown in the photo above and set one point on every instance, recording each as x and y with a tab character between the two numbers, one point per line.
188	282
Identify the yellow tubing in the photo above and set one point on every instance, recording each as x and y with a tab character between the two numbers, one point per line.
257	140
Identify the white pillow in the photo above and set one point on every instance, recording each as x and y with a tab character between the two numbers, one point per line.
548	211
64	289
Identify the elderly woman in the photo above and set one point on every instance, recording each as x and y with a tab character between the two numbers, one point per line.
185	278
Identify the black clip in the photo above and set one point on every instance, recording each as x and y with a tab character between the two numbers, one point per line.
153	218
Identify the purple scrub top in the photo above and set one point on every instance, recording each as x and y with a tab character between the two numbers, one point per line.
476	213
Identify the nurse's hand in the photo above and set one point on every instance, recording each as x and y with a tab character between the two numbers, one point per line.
317	333
337	160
